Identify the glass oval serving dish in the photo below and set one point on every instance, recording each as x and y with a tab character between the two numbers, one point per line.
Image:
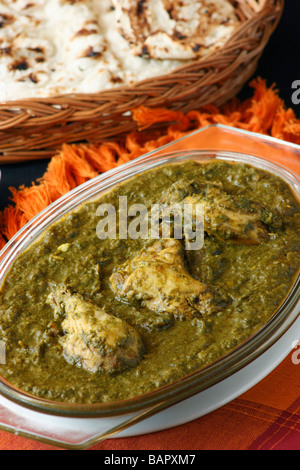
196	381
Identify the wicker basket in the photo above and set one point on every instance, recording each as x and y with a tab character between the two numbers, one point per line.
35	128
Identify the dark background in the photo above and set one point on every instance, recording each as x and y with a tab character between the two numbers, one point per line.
280	64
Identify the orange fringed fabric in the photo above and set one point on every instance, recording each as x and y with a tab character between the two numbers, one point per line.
264	113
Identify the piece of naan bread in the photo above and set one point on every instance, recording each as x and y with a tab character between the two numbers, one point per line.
175	29
55	47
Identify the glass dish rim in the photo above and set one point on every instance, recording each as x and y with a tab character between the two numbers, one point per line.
185	386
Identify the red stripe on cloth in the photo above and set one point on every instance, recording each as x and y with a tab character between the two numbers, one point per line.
254	410
284	433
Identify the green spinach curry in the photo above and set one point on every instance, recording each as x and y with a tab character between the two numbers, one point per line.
86	320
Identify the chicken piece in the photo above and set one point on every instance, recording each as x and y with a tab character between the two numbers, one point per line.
93	339
226	217
158	278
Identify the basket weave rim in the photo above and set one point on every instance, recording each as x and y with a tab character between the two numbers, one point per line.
35	128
